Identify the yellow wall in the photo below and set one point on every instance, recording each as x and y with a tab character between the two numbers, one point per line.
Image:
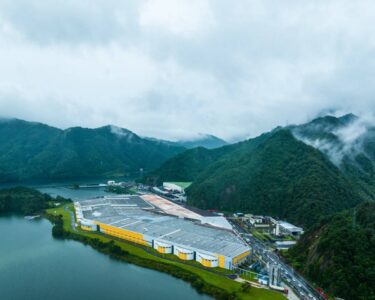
123	234
239	257
221	261
183	256
87	228
206	262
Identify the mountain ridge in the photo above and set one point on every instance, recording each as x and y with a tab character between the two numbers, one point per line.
32	150
212	189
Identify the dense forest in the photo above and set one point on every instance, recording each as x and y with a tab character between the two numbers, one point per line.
188	165
281	177
36	151
338	253
298	173
25	201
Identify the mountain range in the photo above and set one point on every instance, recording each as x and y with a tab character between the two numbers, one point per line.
284	173
319	175
30	150
207	141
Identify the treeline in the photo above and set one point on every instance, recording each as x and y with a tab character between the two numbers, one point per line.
25	200
279	176
339	253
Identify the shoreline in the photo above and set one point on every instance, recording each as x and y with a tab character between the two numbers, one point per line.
214	284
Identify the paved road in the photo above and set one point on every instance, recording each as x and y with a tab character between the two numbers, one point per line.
302	288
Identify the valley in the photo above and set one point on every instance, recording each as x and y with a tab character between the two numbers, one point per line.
278	174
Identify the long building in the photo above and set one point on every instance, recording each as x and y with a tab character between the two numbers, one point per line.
134	219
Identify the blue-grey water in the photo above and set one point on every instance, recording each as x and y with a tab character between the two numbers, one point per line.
35	266
66	192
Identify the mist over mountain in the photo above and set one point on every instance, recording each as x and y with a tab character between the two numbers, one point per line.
299	172
207	141
30	150
349	142
203	140
339	138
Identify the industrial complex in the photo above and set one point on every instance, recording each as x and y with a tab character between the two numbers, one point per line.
152	221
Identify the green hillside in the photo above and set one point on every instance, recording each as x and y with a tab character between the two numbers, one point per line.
185	166
298	173
281	177
37	151
338	254
188	165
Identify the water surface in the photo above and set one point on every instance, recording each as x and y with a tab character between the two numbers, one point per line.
35	266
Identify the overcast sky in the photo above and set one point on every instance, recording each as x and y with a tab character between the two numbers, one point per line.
174	68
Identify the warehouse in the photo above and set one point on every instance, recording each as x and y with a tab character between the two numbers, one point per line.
134	219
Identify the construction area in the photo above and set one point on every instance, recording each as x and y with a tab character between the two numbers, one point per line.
152	221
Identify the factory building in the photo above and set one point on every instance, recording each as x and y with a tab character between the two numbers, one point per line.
169	186
286	228
182	253
133	219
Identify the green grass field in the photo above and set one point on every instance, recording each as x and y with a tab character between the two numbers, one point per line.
210	277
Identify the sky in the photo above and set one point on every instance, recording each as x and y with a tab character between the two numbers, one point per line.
174	68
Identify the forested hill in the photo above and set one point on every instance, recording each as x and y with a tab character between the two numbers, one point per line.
188	165
299	173
281	177
338	254
31	150
25	201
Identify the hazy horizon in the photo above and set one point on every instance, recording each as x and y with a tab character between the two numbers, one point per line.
174	69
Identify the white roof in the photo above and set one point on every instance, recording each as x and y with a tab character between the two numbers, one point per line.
289	226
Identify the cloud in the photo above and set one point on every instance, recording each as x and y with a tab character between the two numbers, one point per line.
346	140
67	21
172	69
188	19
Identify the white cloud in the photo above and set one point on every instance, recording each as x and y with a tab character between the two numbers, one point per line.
185	18
172	69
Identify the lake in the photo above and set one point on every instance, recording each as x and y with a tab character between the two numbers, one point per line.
35	266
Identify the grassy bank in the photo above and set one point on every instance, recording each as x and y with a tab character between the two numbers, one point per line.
214	284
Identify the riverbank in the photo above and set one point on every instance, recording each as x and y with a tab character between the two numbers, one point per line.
214	284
